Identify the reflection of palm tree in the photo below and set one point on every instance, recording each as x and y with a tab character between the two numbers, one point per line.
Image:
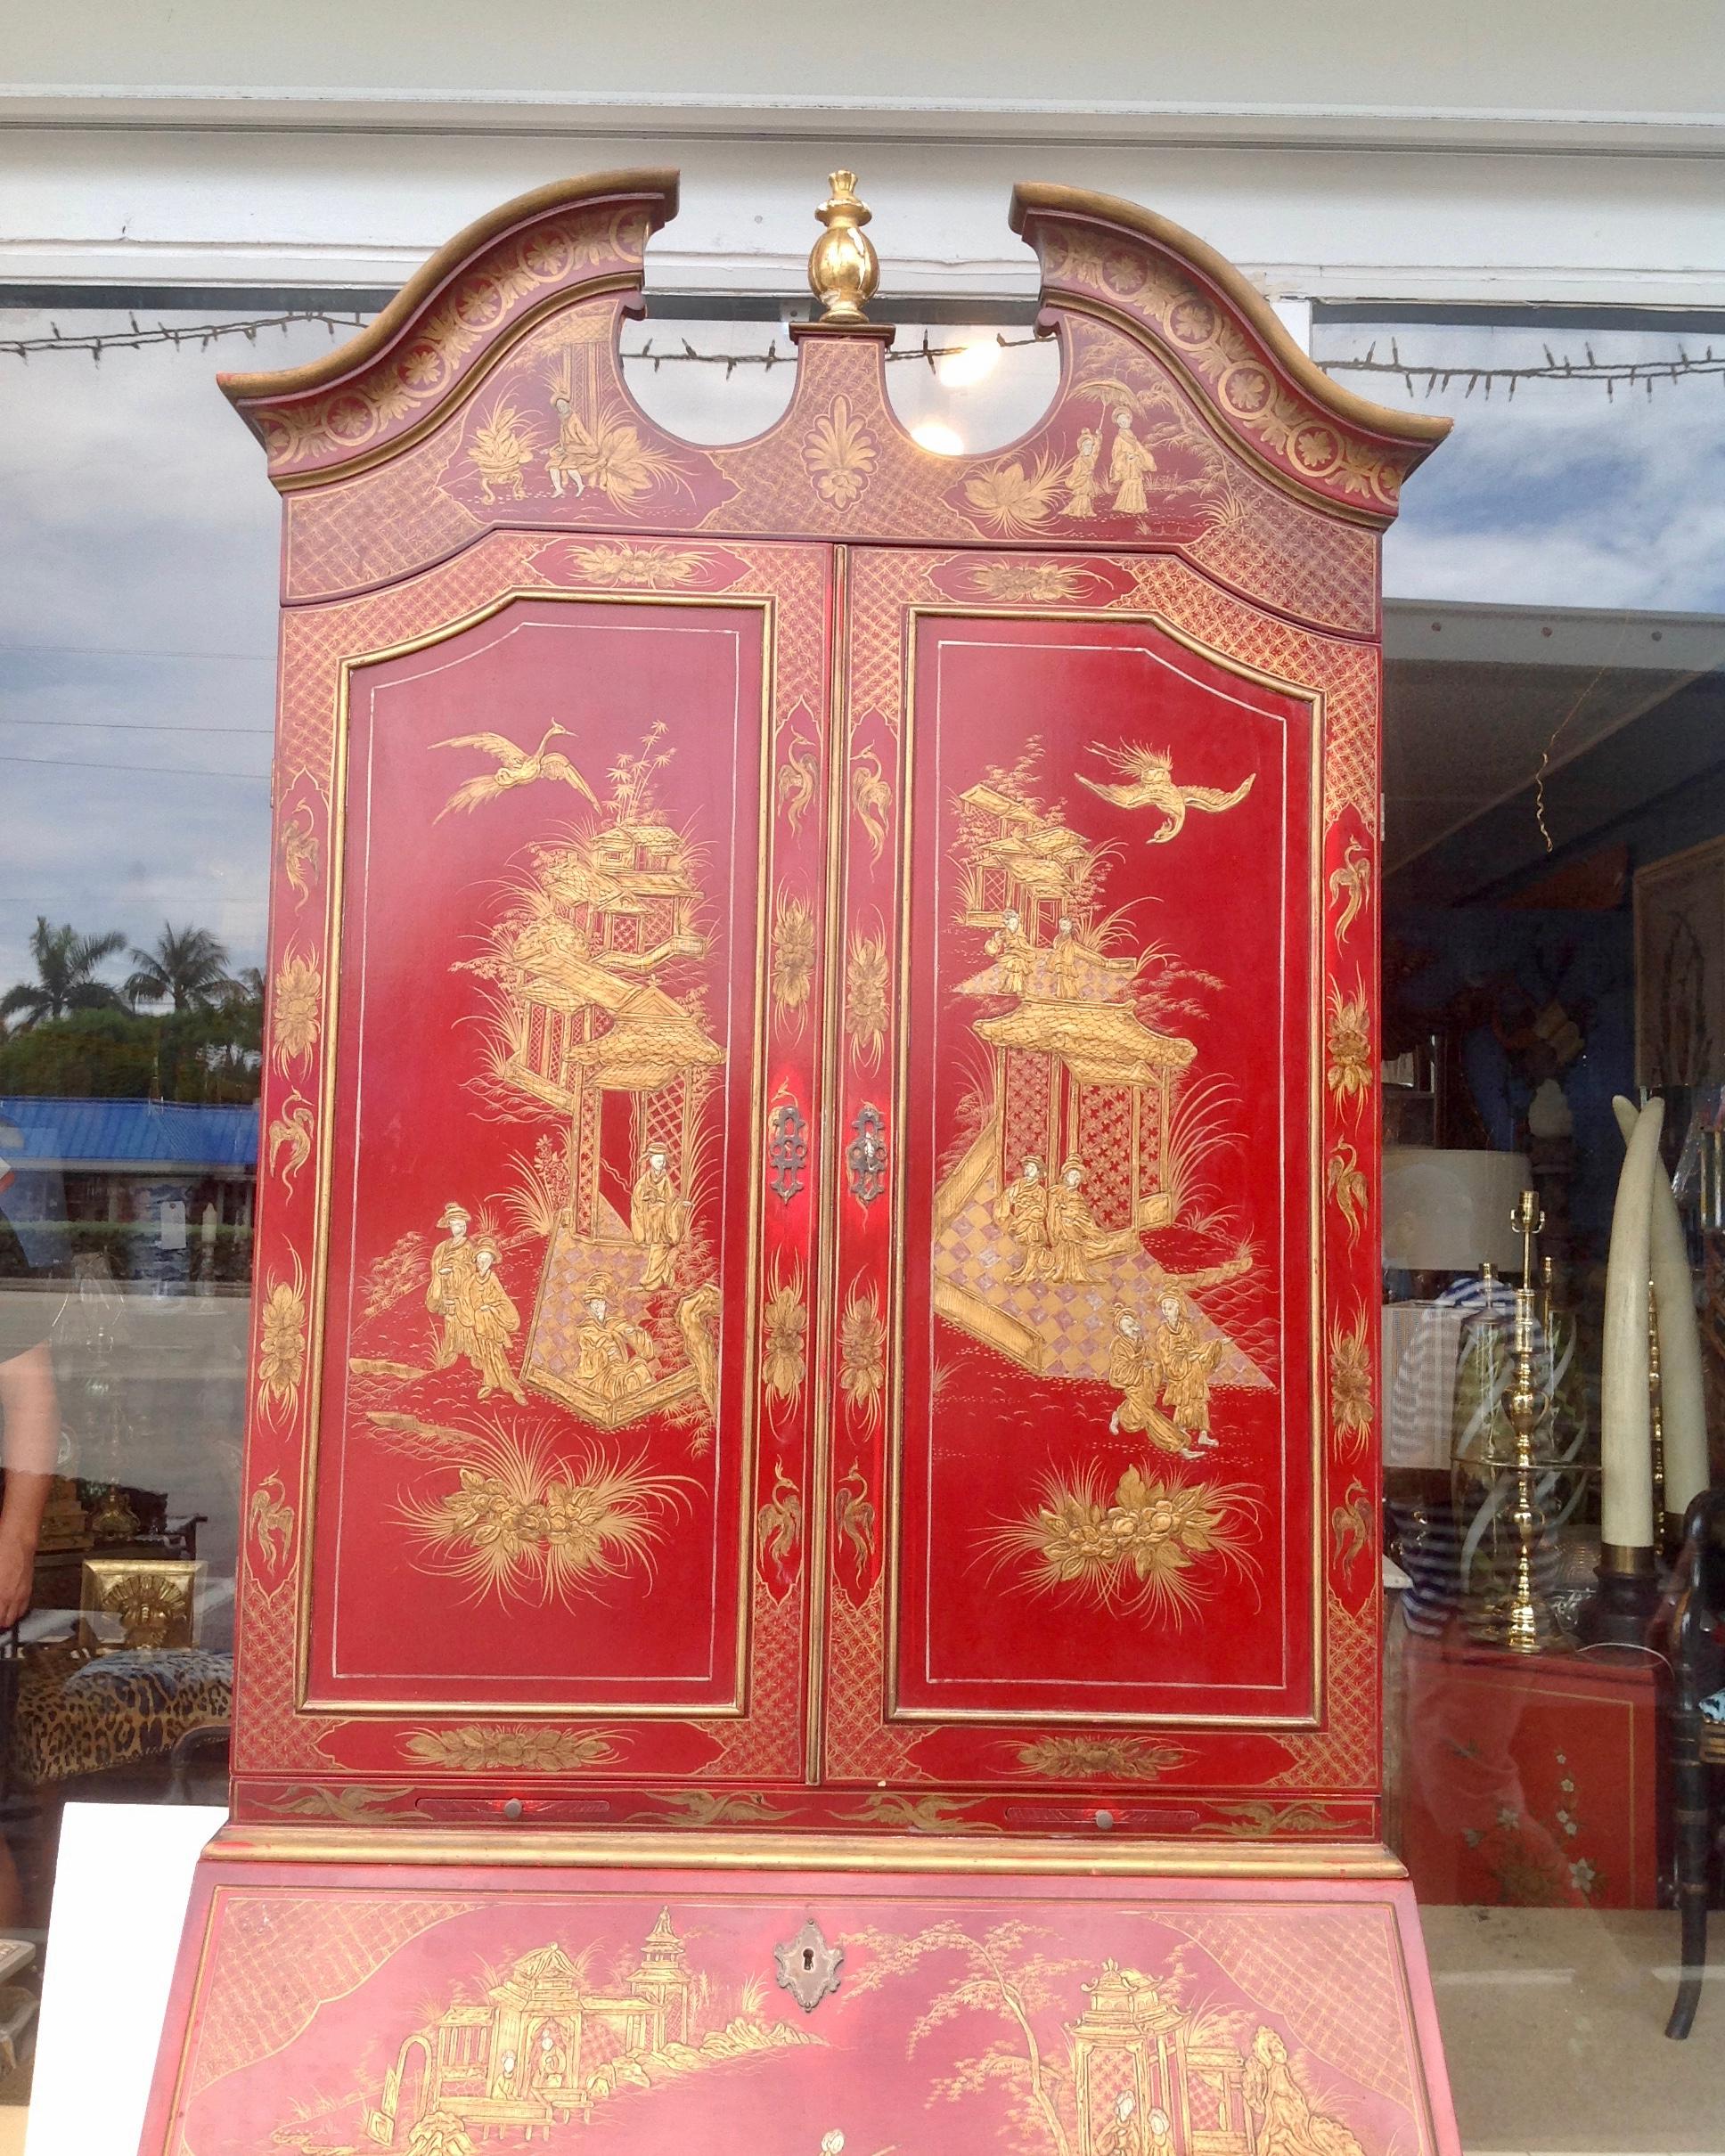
65	974
186	967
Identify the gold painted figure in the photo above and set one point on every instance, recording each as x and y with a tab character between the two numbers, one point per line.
1073	1235
1289	2125
574	456
657	1217
614	1358
1123	2138
1188	1362
1128	466
1063	960
1014	952
451	1264
1021	1211
1080	475
1135	1371
489	1321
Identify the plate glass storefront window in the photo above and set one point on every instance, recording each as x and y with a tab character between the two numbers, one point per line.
1554	938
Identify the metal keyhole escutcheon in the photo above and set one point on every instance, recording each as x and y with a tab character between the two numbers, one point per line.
809	1967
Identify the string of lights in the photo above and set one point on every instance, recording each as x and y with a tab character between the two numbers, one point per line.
198	335
1419	377
1613	374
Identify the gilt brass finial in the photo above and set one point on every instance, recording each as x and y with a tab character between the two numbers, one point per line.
843	267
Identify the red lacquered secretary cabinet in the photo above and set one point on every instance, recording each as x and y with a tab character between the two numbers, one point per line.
810	1575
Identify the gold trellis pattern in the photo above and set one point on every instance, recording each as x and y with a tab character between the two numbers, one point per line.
282	1958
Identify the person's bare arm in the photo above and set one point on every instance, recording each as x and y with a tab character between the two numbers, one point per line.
30	1416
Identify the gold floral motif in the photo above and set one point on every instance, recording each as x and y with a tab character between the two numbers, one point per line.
853	1512
637	568
1249	1820
1349	1039
784	1335
271	1519
1347	1186
503	446
1028	582
1138	1551
296	1010
1350	1382
523	1520
290	1140
473	1748
839	454
1353	878
862	1357
867	983
1072	1758
1010	500
793	958
281	1344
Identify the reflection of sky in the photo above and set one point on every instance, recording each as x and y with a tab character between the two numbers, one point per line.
704	404
1558	498
137	641
137	618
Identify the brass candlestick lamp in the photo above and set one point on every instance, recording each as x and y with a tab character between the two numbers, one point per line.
1521	1621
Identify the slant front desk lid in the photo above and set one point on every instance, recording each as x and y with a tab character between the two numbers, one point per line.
816	1266
441	2011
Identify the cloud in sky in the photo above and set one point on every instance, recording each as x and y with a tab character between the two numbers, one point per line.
137	642
137	616
1557	497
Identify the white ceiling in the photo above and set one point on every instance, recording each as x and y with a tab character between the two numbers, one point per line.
1476	696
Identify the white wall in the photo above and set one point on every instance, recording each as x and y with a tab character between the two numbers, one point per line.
1572	60
1531	150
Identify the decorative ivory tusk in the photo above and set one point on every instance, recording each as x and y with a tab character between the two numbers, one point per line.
1625	1416
1683	1412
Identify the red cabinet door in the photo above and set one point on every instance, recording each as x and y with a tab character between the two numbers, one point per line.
1079	1289
559	1024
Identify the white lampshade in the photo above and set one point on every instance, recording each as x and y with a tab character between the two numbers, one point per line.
1449	1211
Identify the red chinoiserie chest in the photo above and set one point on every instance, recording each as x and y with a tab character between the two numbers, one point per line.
814	1360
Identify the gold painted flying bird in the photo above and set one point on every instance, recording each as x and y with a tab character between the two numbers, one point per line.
515	767
1150	783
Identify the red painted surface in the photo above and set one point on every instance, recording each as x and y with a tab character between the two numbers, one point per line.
1210	935
836	1498
397	2008
1532	1783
